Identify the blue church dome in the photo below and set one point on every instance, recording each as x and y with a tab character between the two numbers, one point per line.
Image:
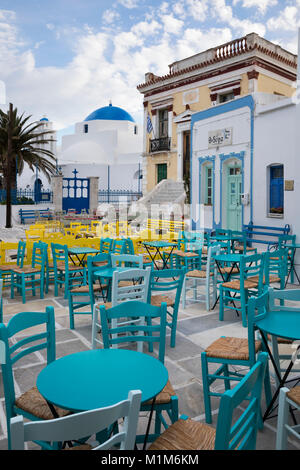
44	119
112	113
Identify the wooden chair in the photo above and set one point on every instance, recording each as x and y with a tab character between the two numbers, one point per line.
86	294
231	351
30	277
166	286
29	404
250	282
235	430
142	332
6	269
206	277
65	275
77	426
288	399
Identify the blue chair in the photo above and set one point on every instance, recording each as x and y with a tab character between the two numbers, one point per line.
283	242
106	245
85	295
6	269
76	426
31	277
250	282
288	399
189	251
119	247
143	331
30	404
234	431
65	275
1	301
168	281
230	351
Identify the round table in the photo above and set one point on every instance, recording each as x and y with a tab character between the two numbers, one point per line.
283	324
100	377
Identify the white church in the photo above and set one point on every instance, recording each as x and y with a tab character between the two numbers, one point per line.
107	144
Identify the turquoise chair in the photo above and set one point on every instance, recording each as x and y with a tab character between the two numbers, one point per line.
85	295
230	351
66	275
6	269
166	281
106	245
288	399
276	264
87	423
236	429
30	404
249	282
206	277
241	246
147	332
119	247
1	300
28	278
190	256
283	242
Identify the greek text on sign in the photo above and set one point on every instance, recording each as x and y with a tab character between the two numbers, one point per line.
220	137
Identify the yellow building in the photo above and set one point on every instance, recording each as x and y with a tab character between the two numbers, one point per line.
240	67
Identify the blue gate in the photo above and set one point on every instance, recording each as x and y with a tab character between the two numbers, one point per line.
76	193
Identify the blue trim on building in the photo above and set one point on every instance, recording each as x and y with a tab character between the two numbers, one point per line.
245	101
223	157
202	161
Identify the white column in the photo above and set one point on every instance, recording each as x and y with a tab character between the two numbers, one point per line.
179	155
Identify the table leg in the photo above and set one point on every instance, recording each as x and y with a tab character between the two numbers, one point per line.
149	423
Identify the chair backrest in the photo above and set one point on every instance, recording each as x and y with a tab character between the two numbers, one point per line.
144	330
79	425
106	245
21	253
118	247
137	289
193	241
276	263
223	232
135	261
241	435
92	267
286	240
59	255
23	345
290	295
257	310
39	255
252	266
211	266
164	280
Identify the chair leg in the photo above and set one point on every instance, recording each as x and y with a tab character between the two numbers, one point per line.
283	411
184	292
205	381
23	289
221	312
71	312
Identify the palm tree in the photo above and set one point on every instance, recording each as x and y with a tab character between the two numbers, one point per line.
21	142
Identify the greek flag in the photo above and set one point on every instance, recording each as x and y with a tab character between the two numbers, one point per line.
149	124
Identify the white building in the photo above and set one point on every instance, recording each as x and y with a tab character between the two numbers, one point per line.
244	163
107	144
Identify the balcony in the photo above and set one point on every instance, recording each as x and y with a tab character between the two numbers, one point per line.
158	145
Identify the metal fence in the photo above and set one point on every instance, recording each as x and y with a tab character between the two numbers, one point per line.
27	196
116	196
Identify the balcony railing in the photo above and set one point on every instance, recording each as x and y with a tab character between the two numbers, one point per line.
163	143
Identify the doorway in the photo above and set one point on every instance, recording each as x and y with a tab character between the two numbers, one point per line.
234	193
162	172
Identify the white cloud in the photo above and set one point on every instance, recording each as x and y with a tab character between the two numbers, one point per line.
224	14
261	5
109	16
171	24
129	3
287	20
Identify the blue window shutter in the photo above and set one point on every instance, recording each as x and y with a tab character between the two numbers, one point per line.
276	190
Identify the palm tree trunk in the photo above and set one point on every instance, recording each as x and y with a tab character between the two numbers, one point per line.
8	167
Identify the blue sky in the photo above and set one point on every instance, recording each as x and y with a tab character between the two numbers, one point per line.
65	58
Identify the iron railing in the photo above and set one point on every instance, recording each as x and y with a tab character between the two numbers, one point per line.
116	196
163	143
27	196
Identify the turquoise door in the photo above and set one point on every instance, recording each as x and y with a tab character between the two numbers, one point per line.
234	206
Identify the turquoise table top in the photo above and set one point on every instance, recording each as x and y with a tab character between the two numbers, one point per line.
82	250
100	377
108	272
281	323
160	244
229	258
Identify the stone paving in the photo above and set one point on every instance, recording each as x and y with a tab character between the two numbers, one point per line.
197	328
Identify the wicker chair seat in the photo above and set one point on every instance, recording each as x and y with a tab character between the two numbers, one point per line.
72	267
60	264
100	263
186	254
236	285
281	340
186	435
231	348
106	304
164	396
85	289
272	279
34	403
197	273
241	248
156	300
26	270
6	267
294	394
229	270
80	447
